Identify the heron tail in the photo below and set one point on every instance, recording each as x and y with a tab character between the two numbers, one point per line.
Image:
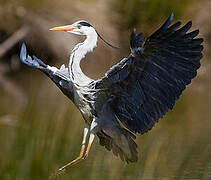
122	145
116	138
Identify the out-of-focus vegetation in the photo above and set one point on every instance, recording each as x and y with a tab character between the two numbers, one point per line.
41	130
141	11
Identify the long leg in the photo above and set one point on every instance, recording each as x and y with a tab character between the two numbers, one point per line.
93	129
75	161
91	138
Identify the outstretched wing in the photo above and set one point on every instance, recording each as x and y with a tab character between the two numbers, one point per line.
59	76
144	86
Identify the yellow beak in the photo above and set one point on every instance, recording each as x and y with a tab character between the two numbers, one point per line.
63	28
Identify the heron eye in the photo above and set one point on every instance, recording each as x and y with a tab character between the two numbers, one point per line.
79	26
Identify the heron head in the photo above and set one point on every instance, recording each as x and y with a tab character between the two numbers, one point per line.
80	27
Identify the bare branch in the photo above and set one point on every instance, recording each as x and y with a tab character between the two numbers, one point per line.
13	39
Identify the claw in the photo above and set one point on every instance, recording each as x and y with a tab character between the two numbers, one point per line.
61	169
85	156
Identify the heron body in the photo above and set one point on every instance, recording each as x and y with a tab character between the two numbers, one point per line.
80	80
137	91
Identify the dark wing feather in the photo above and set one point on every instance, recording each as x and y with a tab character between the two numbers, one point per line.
146	85
59	76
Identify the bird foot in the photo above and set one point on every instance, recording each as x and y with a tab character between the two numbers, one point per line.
85	156
62	169
59	172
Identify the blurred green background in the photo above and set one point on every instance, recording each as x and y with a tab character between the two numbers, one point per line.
41	130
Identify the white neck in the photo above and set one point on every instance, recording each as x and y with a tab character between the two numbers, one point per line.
77	54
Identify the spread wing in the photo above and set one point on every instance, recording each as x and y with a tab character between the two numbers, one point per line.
144	86
59	76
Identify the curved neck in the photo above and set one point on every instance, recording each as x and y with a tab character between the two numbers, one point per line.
77	54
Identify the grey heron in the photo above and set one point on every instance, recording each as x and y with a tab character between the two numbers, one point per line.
137	91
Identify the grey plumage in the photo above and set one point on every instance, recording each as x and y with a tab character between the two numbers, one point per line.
138	90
